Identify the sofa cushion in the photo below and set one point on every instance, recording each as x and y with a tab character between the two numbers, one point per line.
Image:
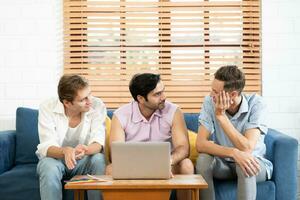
226	190
20	182
27	137
193	151
107	132
191	120
7	150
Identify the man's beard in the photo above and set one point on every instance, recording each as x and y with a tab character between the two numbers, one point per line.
161	105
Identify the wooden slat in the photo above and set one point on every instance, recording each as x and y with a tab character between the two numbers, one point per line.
92	67
161	9
167	83
161	32
173	71
153	59
166	26
164	3
111	55
159	48
173	14
198	36
196	20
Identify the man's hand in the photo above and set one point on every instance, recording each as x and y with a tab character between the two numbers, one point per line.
80	151
248	163
69	154
108	169
222	103
172	166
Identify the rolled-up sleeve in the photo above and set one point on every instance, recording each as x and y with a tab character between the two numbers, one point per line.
206	114
97	133
47	134
257	117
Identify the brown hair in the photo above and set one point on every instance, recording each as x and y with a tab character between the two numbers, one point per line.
69	85
234	79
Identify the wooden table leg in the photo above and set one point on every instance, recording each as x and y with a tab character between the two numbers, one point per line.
79	194
136	194
195	194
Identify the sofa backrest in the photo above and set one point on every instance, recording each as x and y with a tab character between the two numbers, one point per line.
191	120
27	137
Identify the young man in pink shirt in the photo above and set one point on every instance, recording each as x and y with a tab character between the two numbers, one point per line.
151	118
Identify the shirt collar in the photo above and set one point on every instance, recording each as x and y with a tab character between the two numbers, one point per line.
137	115
244	107
59	108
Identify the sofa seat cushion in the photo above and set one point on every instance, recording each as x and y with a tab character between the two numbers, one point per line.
226	190
27	137
21	182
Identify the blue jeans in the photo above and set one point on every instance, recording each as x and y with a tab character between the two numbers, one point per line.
52	171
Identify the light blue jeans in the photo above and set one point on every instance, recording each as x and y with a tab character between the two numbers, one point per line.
52	171
214	167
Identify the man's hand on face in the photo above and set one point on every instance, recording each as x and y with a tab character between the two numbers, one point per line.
248	163
69	154
222	103
80	151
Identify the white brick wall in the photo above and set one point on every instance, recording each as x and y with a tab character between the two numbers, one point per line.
30	54
281	65
31	58
280	47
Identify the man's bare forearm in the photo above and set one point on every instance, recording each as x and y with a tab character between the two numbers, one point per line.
211	148
94	148
56	152
179	153
237	139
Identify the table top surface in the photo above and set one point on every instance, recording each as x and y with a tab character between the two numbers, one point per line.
194	181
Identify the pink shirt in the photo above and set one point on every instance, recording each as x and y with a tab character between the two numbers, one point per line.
138	129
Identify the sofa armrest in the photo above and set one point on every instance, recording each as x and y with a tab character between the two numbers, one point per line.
7	150
282	150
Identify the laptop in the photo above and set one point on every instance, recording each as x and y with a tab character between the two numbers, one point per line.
141	160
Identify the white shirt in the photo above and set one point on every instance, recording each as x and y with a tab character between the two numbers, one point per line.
72	136
53	125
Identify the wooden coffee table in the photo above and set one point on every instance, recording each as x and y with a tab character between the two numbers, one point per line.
139	189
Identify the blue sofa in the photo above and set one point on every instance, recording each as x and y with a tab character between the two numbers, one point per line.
18	179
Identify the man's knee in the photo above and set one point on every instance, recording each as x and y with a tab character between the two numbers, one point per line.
204	163
186	166
240	173
97	158
98	162
50	167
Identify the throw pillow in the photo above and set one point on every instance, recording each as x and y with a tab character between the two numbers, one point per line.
107	131
193	151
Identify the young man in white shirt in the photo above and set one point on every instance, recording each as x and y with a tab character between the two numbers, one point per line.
72	135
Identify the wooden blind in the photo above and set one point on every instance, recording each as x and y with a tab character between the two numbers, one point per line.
185	41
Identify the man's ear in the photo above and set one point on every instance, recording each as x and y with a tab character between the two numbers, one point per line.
67	103
234	94
140	99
